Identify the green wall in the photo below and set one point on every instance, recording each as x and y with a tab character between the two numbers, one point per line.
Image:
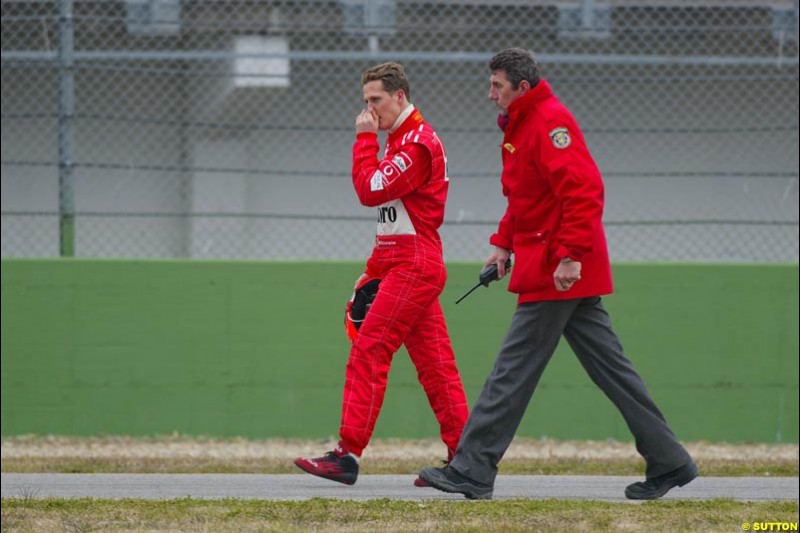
257	349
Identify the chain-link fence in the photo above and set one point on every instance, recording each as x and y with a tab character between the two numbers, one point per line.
223	129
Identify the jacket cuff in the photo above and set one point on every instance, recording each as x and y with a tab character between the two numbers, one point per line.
499	240
573	253
366	135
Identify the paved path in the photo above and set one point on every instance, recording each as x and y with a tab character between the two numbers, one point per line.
303	487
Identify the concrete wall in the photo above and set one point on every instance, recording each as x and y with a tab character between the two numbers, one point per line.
257	349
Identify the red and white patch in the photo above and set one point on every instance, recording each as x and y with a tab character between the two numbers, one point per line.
402	160
391	168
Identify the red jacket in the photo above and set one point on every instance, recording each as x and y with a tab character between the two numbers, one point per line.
409	185
555	200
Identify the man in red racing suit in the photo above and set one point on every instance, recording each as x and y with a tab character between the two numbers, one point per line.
408	187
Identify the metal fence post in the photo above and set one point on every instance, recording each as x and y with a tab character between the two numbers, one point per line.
66	111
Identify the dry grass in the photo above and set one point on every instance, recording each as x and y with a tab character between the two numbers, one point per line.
181	454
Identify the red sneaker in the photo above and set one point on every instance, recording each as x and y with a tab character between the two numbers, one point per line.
419	482
337	465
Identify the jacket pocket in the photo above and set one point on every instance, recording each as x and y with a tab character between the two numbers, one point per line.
531	271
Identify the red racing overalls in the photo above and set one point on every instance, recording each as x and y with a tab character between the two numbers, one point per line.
408	187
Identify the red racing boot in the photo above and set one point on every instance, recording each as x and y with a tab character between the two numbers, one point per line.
337	465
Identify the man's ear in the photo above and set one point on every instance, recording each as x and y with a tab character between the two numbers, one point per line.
524	85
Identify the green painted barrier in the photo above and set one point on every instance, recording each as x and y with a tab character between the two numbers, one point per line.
257	349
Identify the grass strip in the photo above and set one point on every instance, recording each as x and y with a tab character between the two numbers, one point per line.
204	465
193	454
50	515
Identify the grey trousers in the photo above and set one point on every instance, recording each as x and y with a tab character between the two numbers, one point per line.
528	346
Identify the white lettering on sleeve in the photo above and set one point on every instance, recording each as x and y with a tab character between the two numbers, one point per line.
376	183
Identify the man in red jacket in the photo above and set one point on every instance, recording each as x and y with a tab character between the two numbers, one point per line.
553	226
408	187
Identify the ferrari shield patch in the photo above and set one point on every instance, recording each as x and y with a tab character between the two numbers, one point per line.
560	138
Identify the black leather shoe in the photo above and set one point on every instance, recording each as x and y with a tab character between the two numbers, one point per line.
656	487
448	479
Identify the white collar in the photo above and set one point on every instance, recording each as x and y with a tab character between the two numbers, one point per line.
402	117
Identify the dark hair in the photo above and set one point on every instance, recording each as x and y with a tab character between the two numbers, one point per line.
393	76
518	65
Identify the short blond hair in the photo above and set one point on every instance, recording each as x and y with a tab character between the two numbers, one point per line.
393	76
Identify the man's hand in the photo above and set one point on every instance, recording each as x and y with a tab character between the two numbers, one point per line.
567	273
499	258
367	122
